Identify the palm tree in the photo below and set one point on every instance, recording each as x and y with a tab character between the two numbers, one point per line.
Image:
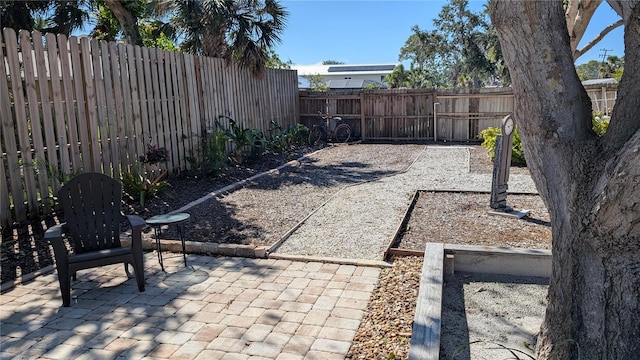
62	17
240	31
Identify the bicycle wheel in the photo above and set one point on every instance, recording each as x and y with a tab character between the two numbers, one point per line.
342	133
318	134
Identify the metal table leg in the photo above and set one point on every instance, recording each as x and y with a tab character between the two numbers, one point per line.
184	252
157	232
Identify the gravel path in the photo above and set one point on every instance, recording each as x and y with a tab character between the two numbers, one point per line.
358	221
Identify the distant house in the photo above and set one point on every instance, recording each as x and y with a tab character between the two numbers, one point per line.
346	76
603	94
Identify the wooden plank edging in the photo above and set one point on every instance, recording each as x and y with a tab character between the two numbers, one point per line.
425	338
500	260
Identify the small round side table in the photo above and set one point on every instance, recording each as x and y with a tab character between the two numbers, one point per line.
158	221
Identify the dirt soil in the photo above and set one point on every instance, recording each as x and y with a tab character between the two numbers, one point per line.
464	218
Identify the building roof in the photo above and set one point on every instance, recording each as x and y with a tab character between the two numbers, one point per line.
360	68
606	81
354	84
342	69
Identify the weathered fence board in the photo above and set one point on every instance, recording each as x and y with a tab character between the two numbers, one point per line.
27	173
33	119
79	105
47	120
603	97
9	165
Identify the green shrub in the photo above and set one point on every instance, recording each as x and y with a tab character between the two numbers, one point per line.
259	143
142	187
490	136
285	139
242	138
600	123
298	135
214	152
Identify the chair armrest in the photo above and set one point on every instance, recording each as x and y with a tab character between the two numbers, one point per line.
54	232
136	222
54	236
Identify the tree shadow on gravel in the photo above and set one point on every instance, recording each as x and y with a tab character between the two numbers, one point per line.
334	175
215	222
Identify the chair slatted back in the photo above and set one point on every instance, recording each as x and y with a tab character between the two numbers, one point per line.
91	204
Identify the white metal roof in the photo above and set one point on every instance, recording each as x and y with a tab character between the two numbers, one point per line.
353	84
600	81
344	69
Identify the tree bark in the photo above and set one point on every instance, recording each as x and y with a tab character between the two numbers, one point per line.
128	23
590	185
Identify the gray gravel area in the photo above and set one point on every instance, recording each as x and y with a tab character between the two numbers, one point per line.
358	221
491	316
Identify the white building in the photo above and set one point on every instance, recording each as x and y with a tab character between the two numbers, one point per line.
346	76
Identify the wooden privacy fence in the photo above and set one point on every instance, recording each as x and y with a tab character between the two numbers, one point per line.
420	114
411	114
78	105
462	114
373	114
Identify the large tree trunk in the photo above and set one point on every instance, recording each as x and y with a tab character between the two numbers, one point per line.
591	185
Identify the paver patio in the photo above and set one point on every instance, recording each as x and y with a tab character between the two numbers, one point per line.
216	308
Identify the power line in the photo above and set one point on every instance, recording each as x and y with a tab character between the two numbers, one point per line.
604	53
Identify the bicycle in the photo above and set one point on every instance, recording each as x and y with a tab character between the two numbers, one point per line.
331	129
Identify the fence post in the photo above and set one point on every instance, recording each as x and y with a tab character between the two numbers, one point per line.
362	116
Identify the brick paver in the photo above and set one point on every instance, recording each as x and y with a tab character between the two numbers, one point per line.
217	308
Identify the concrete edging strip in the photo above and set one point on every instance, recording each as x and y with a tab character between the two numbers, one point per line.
341	261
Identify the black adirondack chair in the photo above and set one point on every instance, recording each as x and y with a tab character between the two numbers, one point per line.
91	204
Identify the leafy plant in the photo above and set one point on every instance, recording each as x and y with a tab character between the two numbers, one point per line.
54	171
214	146
241	137
277	142
490	136
298	135
285	139
600	123
259	143
154	155
142	187
316	82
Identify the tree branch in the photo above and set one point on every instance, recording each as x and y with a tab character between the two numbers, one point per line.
623	7
128	23
578	15
579	52
536	47
625	121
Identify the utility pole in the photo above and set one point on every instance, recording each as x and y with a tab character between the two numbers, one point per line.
604	57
